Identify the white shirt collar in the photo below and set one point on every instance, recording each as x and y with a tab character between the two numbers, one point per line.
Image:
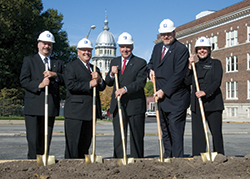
85	64
43	57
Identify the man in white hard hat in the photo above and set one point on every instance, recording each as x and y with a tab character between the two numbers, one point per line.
169	64
34	78
80	80
132	75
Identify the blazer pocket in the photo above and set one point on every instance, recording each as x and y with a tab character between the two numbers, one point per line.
29	95
77	100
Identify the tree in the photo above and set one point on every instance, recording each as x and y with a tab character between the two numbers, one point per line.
21	22
105	97
149	89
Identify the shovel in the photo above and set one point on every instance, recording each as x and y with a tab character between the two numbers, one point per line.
207	156
93	158
161	159
125	160
45	159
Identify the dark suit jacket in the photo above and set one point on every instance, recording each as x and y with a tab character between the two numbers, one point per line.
170	74
79	98
209	77
30	78
134	78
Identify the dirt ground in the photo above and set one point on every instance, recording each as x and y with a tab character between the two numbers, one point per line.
223	167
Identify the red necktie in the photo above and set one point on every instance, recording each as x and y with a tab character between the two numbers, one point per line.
88	67
124	65
163	53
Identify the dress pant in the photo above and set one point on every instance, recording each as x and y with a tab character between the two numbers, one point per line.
172	126
78	135
35	134
136	124
214	121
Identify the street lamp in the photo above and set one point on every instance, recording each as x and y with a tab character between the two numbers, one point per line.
92	27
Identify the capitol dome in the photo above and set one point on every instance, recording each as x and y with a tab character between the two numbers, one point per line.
105	49
105	38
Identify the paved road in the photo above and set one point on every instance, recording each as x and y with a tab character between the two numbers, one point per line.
14	144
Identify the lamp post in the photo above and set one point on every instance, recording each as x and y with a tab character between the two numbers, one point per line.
92	27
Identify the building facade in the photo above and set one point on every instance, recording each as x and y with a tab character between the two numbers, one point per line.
105	49
229	32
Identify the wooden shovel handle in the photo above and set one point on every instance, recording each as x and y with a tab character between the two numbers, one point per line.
157	111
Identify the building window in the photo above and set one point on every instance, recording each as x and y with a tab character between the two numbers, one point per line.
101	52
248	89
248	61
231	38
232	90
232	111
248	33
214	42
100	64
232	64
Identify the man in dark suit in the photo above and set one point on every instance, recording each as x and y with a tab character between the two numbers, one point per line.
169	64
34	78
80	80
132	75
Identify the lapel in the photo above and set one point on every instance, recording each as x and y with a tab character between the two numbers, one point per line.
40	65
128	68
202	69
53	65
168	54
83	67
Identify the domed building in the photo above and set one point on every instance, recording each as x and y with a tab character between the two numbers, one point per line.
105	49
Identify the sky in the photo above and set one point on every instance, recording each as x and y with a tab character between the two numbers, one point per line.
140	18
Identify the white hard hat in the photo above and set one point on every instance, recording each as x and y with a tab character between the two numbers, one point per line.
202	42
84	43
46	36
166	26
125	39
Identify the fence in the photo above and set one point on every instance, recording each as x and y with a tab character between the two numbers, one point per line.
10	107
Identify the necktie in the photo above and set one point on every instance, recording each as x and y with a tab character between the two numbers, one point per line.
124	65
88	67
163	53
46	60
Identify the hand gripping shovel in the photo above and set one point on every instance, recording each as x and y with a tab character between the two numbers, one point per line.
125	160
207	156
93	158
161	159
45	159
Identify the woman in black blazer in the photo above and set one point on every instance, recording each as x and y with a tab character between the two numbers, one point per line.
209	73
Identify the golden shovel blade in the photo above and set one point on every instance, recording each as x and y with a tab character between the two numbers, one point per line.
167	160
207	157
125	161
93	158
44	160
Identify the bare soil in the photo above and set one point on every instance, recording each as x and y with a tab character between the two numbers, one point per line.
222	167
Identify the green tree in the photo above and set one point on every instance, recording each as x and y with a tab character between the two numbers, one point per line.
149	89
21	22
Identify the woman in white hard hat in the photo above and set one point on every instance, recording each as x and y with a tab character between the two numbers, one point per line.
209	73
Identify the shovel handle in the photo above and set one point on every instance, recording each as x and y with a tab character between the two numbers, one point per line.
46	116
121	120
201	108
157	112
94	115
